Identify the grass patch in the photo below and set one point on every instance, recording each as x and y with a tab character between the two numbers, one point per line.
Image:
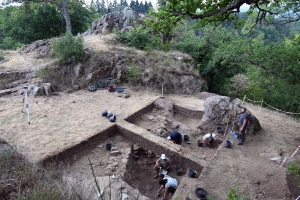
23	181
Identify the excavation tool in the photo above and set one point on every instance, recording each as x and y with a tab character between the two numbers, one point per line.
25	103
102	189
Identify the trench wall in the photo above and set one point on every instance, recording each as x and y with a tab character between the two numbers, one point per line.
176	158
136	116
187	112
73	153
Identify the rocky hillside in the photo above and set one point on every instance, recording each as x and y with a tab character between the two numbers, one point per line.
104	58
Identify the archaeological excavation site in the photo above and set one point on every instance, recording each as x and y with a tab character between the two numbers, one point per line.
122	156
100	159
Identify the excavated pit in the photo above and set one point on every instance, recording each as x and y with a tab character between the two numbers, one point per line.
185	120
131	161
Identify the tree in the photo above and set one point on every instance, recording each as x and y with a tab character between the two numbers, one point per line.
218	11
110	7
114	5
132	5
62	5
137	6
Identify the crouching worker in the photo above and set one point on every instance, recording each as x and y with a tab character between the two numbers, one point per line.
163	163
211	138
176	137
169	185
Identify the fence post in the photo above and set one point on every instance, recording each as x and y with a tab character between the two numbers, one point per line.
244	99
162	89
262	101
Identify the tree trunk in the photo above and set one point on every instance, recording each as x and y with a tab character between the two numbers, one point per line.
66	16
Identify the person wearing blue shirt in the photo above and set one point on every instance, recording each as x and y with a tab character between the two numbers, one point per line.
176	137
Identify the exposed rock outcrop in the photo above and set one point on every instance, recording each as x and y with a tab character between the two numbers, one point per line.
41	47
220	110
123	20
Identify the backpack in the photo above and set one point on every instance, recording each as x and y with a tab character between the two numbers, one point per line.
111	88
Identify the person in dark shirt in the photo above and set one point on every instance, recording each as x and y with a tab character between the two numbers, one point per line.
243	125
176	137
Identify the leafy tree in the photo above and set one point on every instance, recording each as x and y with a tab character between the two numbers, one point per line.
211	60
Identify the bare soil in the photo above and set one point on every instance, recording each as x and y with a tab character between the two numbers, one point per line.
72	119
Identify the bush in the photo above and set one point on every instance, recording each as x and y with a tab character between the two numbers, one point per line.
132	74
138	37
68	48
10	43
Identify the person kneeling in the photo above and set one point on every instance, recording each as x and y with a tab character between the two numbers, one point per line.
176	137
169	184
209	139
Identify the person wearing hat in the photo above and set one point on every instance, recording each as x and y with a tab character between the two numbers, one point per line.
163	163
169	184
176	137
209	139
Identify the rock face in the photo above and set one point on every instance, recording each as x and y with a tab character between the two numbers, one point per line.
124	19
220	110
41	47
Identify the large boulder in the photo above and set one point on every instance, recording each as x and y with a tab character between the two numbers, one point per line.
114	20
221	110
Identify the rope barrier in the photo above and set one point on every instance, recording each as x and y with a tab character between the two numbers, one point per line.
262	102
284	160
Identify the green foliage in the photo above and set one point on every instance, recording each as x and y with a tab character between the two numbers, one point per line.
55	76
34	184
163	24
132	73
68	48
239	84
34	21
1	55
214	64
294	169
138	37
10	43
233	195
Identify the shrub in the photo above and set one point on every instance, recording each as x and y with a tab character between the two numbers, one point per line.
138	37
10	43
132	74
68	48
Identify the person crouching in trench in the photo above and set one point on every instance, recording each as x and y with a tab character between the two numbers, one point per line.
169	184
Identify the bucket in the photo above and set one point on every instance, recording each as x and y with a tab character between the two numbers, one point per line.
192	173
178	170
200	143
104	113
108	145
186	138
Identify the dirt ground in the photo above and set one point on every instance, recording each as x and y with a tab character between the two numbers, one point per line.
71	119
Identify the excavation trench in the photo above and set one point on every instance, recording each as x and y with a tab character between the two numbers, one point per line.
130	162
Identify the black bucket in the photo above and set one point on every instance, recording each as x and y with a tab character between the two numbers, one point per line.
108	145
186	138
200	143
192	173
178	170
